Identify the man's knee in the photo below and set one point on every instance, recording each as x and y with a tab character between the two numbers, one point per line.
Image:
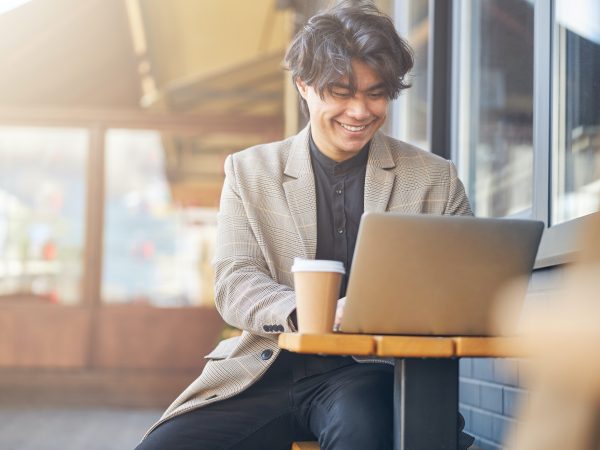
361	415
168	435
152	442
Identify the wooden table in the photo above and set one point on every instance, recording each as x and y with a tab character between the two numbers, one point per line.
425	377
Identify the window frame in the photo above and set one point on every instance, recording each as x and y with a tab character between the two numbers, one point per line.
560	242
465	49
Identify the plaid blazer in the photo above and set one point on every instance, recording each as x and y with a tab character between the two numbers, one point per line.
267	217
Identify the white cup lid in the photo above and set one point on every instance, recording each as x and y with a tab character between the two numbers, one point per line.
317	265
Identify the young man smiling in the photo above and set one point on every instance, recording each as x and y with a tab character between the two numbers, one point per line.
346	117
303	197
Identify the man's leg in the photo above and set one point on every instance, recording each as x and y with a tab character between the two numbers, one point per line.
207	429
352	408
259	418
349	408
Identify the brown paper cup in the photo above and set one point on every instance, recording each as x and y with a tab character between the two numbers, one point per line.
317	285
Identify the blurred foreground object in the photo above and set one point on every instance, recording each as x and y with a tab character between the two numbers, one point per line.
564	407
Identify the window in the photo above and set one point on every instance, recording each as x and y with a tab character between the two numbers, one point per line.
495	105
42	212
576	156
157	248
526	131
411	109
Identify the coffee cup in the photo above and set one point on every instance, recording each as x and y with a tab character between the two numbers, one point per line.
317	284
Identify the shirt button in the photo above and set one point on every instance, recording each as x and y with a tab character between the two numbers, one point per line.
266	354
340	231
338	191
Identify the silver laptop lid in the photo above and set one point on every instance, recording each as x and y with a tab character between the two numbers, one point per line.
435	275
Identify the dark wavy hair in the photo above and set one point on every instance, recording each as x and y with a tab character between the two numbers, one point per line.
322	51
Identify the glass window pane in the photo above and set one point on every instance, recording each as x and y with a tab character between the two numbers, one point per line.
496	119
412	17
157	246
576	181
42	213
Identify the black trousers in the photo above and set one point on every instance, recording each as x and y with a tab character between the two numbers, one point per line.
346	408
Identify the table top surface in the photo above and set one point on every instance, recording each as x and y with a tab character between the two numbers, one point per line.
405	346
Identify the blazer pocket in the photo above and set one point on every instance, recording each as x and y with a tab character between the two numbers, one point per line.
223	348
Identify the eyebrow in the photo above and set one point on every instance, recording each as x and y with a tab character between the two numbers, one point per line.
374	87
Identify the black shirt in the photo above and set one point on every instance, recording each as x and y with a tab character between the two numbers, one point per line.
340	192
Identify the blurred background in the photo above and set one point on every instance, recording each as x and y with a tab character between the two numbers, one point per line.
115	120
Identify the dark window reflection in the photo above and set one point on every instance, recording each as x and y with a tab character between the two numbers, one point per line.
500	141
577	161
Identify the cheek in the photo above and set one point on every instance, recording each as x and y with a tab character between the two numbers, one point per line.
328	114
381	110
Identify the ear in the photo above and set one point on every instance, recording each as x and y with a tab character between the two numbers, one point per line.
302	88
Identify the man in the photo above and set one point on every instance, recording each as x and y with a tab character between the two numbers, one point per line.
304	197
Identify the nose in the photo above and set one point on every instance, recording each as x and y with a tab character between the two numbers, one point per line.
357	108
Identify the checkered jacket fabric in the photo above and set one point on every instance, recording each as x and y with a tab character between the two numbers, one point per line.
267	217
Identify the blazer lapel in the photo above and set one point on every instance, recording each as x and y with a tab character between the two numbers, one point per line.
378	181
300	192
300	187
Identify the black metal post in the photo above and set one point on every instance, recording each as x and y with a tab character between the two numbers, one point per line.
426	404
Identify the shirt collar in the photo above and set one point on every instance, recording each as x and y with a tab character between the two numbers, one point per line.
357	162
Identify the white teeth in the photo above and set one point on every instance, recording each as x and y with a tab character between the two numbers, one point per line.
351	128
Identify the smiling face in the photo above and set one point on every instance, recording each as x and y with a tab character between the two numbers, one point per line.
342	123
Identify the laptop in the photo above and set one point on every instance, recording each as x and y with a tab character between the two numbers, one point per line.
439	275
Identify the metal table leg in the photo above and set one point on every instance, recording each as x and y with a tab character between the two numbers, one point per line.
426	404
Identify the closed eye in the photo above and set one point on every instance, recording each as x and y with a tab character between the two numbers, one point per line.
376	94
340	94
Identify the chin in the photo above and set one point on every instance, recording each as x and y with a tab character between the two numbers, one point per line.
354	146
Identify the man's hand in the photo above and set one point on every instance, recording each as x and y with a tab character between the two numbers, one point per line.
339	312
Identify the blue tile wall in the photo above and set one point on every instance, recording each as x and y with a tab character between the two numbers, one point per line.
483	368
491	390
490	395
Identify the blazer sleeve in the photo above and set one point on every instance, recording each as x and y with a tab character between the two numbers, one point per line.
246	295
458	202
